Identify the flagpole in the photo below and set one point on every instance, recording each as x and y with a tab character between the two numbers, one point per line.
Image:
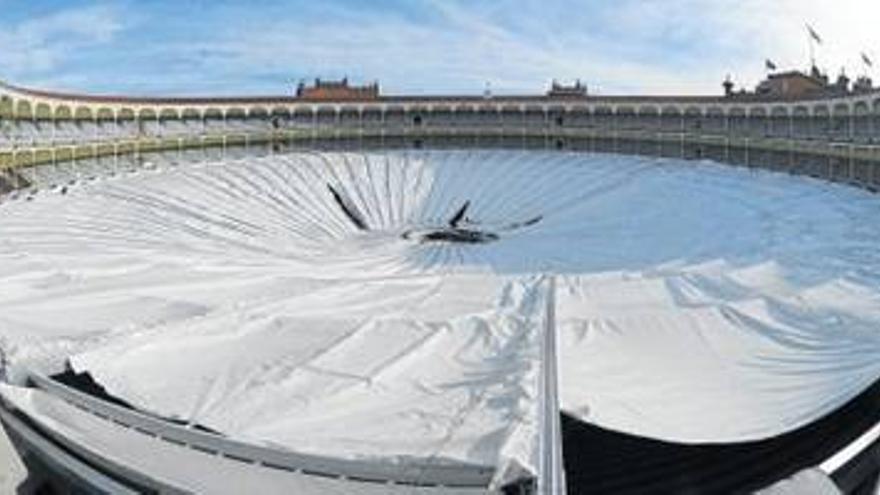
811	41
867	63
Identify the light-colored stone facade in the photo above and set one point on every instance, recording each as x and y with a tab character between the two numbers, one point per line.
831	137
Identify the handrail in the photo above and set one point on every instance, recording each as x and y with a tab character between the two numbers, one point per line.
203	137
59	459
417	472
851	152
489	126
851	451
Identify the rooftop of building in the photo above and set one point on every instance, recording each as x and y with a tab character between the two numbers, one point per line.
342	91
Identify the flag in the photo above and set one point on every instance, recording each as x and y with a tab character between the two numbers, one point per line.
814	34
867	60
769	64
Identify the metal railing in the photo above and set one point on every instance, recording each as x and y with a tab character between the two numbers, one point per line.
62	461
411	473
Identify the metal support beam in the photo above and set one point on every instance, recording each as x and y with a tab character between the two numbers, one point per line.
551	475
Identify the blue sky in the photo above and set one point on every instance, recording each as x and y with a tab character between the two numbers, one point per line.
421	46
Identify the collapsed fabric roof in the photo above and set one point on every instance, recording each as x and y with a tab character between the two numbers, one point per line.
334	303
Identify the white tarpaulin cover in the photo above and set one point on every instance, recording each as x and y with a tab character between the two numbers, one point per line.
295	300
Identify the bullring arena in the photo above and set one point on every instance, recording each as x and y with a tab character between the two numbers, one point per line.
347	292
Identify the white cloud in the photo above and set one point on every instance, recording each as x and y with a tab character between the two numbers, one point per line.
745	32
670	46
460	54
41	44
630	46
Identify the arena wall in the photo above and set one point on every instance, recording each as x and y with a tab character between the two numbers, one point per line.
836	139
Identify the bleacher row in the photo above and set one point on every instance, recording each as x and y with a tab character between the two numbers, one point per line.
63	173
26	133
858	129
